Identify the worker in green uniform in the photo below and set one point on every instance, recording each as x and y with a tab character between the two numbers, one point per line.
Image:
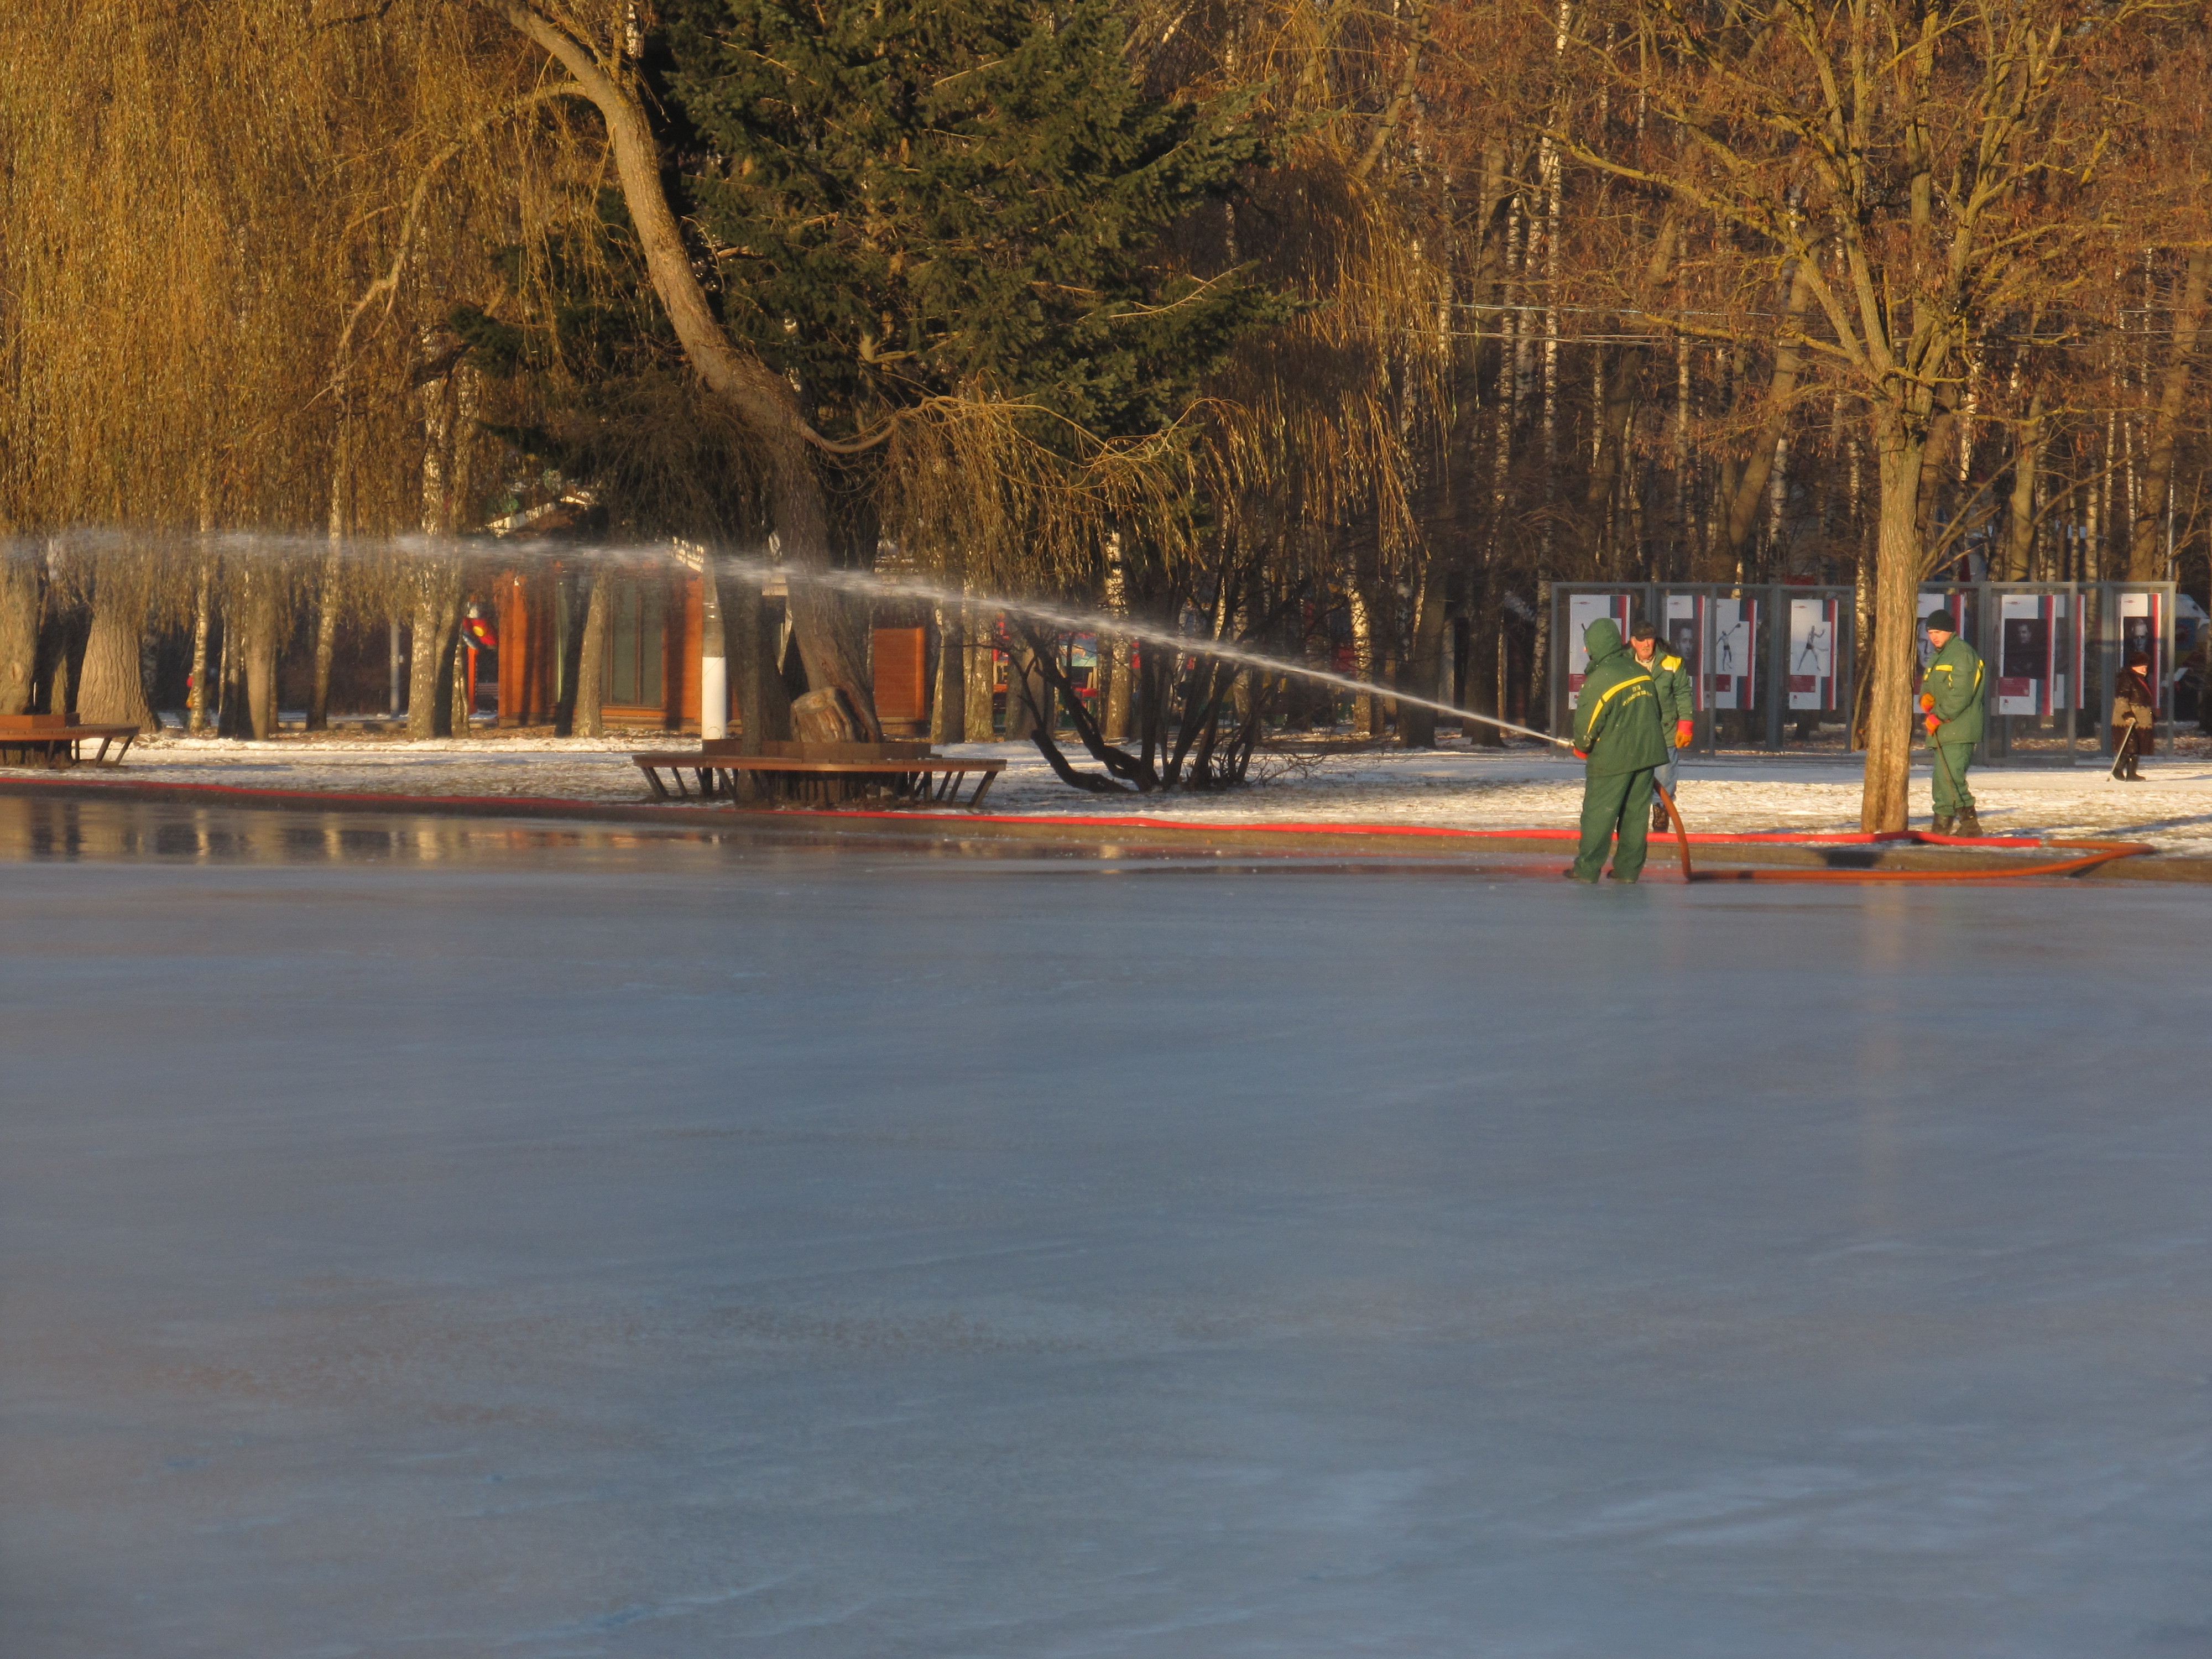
1617	734
1678	711
1951	708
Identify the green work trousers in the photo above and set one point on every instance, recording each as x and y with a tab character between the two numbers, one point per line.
1948	762
1615	803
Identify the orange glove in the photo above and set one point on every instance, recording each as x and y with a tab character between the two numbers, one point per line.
1580	755
1682	729
1931	723
1927	702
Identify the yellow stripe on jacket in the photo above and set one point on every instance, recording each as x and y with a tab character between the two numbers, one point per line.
1597	709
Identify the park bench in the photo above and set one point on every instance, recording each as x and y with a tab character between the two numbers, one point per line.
818	774
55	741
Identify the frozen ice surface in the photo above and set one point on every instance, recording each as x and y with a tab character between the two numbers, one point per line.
441	1238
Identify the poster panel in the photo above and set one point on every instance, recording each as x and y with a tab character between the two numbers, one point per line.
2141	629
1813	653
1583	609
2031	666
1734	675
1685	627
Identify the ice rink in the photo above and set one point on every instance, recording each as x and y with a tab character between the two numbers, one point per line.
433	1239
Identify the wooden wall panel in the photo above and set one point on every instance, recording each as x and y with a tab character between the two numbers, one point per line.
902	676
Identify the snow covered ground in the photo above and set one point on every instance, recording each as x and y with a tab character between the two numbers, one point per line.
577	1243
1454	786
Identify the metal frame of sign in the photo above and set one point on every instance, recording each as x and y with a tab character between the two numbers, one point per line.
2085	626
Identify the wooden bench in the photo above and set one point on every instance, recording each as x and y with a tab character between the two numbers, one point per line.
922	780
55	741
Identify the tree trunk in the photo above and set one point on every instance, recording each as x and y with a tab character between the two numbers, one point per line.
1539	655
1366	706
983	672
1898	449
19	628
1480	695
1749	486
111	690
456	681
832	646
2147	538
1417	725
436	619
326	641
257	649
2019	512
1029	698
591	664
948	701
196	694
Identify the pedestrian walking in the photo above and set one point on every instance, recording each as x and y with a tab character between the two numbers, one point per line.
1951	702
1677	710
2135	717
1617	735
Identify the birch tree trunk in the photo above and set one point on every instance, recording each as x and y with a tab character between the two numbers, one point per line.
196	694
436	621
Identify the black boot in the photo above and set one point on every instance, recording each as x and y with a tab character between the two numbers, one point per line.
1968	824
1942	825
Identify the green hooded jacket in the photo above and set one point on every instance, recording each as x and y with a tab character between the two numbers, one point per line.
1954	680
1672	682
1617	716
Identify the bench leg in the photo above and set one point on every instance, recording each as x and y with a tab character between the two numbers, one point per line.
652	777
976	800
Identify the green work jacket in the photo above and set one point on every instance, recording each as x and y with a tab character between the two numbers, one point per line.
1672	682
1954	680
1617	716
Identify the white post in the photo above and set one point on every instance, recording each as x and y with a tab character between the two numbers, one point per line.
714	657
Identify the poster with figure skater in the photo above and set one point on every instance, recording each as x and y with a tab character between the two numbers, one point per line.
1686	637
1813	653
2031	677
1735	632
1583	609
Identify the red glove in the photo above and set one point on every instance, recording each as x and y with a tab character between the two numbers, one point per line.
1682	729
1927	702
1931	723
1580	755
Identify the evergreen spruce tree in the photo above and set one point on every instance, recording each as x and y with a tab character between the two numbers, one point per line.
916	198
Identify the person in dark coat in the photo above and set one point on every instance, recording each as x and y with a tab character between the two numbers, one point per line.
2135	717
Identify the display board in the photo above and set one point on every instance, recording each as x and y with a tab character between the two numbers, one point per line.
2142	628
1812	625
2039	652
1735	673
1685	625
1583	609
